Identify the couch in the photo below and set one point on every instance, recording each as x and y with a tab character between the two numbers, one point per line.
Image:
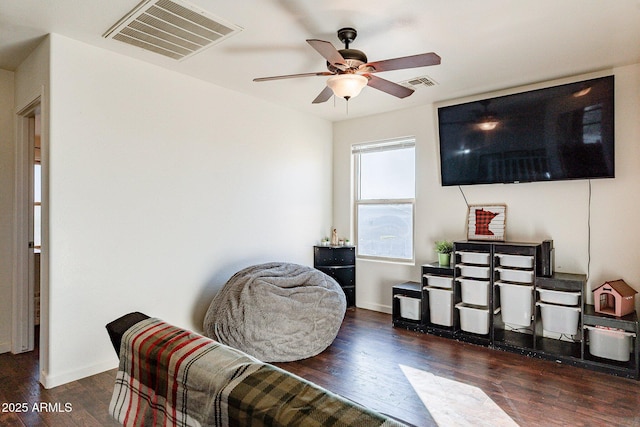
171	376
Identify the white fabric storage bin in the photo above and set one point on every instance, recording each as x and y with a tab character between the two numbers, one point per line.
439	281
440	306
474	271
410	308
516	303
511	275
610	344
474	291
561	319
473	257
473	319
517	261
558	297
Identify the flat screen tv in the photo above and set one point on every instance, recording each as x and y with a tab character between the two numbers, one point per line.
556	133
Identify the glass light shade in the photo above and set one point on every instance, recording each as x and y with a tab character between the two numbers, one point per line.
347	85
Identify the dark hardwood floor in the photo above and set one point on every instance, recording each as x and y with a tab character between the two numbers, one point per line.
24	402
363	365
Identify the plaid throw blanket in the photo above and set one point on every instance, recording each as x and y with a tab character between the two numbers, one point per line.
172	377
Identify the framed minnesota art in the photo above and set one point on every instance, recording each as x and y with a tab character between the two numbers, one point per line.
487	222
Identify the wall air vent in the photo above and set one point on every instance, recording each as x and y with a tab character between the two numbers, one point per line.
172	28
419	82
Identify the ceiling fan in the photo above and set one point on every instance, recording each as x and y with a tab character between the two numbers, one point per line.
350	71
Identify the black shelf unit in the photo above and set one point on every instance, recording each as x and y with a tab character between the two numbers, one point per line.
628	323
409	290
550	348
534	341
553	349
437	276
484	249
514	337
338	262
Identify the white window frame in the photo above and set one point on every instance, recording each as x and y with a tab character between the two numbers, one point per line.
385	145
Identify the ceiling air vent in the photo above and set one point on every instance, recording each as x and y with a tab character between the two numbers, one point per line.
419	82
171	28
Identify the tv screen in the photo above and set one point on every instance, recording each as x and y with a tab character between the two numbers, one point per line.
556	133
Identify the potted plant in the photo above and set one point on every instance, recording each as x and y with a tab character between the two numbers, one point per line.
444	249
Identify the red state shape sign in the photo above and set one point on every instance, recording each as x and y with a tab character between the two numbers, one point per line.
483	219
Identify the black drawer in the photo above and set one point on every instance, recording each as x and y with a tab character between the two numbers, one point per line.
329	255
350	293
345	276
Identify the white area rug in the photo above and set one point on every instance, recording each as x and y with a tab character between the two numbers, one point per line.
452	403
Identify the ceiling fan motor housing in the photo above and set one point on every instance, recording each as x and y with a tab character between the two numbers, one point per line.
353	57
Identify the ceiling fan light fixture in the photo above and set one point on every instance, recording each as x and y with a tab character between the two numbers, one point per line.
347	86
582	92
489	123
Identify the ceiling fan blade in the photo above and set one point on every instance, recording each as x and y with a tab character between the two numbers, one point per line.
323	96
329	52
422	60
389	87
291	76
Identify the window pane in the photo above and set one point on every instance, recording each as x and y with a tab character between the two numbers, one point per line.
385	230
37	192
387	174
37	215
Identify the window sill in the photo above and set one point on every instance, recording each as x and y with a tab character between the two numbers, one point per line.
407	262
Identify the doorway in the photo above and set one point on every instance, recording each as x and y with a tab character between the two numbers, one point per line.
28	242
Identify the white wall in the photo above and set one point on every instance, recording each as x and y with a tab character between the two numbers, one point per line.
535	211
7	183
160	187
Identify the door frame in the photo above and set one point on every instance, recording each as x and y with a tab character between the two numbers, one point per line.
23	330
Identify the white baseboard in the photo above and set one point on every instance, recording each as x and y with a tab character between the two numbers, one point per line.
375	307
55	380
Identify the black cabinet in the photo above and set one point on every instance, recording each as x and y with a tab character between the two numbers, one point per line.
338	262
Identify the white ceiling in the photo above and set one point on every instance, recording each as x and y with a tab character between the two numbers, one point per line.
485	45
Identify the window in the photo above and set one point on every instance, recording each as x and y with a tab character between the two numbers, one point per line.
385	199
592	124
37	181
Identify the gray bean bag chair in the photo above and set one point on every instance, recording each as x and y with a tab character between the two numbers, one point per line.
277	312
